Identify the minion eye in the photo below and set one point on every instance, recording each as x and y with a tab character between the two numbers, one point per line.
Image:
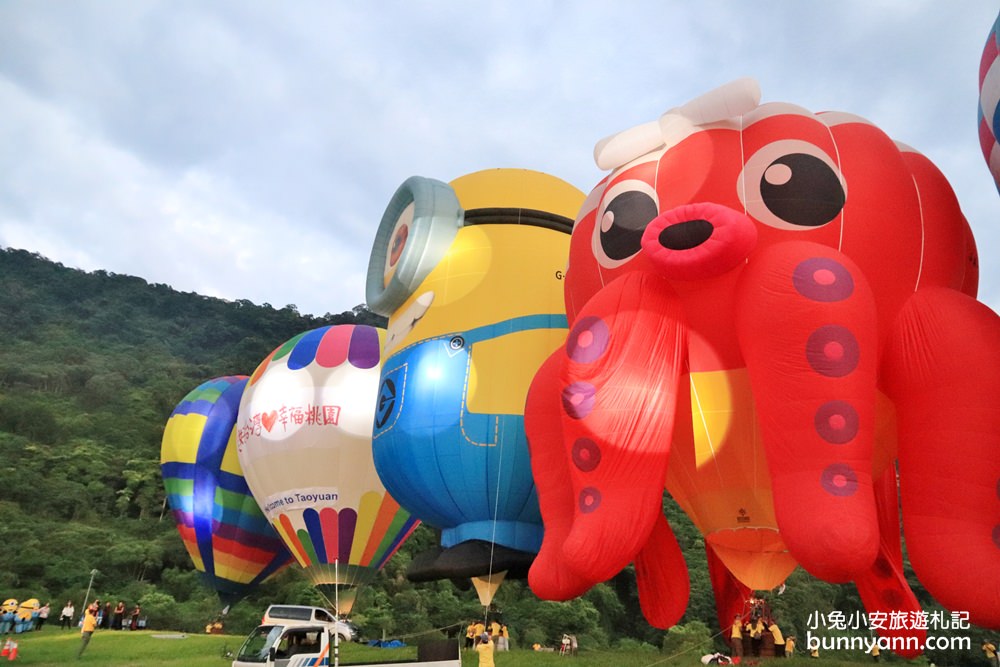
419	224
397	243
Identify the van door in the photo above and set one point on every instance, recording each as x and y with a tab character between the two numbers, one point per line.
300	646
323	616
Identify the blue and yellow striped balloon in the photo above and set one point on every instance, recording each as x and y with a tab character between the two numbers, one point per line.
230	541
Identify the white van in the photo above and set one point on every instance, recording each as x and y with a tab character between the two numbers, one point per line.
290	615
305	645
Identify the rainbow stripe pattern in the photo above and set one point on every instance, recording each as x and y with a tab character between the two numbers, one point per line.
328	347
365	538
230	541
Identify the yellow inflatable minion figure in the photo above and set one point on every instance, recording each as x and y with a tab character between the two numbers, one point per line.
8	611
469	274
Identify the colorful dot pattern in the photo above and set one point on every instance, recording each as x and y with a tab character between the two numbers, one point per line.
586	343
831	351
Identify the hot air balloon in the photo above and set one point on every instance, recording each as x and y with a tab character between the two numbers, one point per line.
767	308
989	102
304	435
229	540
469	274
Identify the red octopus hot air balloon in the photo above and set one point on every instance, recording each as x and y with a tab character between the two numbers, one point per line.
767	308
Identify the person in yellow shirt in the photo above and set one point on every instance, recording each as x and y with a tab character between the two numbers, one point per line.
736	637
990	650
485	650
789	646
756	629
470	634
779	641
87	631
478	630
875	651
494	629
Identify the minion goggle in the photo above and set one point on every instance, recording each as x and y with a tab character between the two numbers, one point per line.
417	228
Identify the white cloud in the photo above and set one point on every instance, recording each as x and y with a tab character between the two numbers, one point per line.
247	150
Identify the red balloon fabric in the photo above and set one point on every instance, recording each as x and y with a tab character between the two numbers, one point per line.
763	305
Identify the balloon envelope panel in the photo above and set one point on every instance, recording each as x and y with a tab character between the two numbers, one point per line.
449	432
305	443
227	536
989	96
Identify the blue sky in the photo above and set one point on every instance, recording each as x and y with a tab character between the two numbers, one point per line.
247	149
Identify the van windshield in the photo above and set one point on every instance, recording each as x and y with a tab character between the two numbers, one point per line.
255	647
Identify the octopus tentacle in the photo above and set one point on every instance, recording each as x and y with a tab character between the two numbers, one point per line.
662	578
883	588
615	393
730	593
548	576
812	370
941	369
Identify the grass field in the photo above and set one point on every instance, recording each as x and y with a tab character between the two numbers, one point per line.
148	647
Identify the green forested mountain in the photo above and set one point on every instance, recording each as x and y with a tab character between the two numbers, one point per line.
91	366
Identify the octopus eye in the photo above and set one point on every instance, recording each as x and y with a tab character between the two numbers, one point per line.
792	185
629	206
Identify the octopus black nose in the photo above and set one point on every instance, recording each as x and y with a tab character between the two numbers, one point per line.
686	235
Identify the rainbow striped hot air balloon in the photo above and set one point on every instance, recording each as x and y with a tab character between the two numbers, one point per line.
230	541
304	432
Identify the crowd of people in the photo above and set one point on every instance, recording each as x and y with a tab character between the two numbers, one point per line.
485	639
106	616
96	616
30	615
755	633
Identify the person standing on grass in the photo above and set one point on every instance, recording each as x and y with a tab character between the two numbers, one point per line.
990	650
736	637
485	650
119	616
43	615
66	616
136	612
503	641
89	625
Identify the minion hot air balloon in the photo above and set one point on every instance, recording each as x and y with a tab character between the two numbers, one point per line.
305	446
229	540
470	275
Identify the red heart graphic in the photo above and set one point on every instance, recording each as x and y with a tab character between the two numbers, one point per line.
268	419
